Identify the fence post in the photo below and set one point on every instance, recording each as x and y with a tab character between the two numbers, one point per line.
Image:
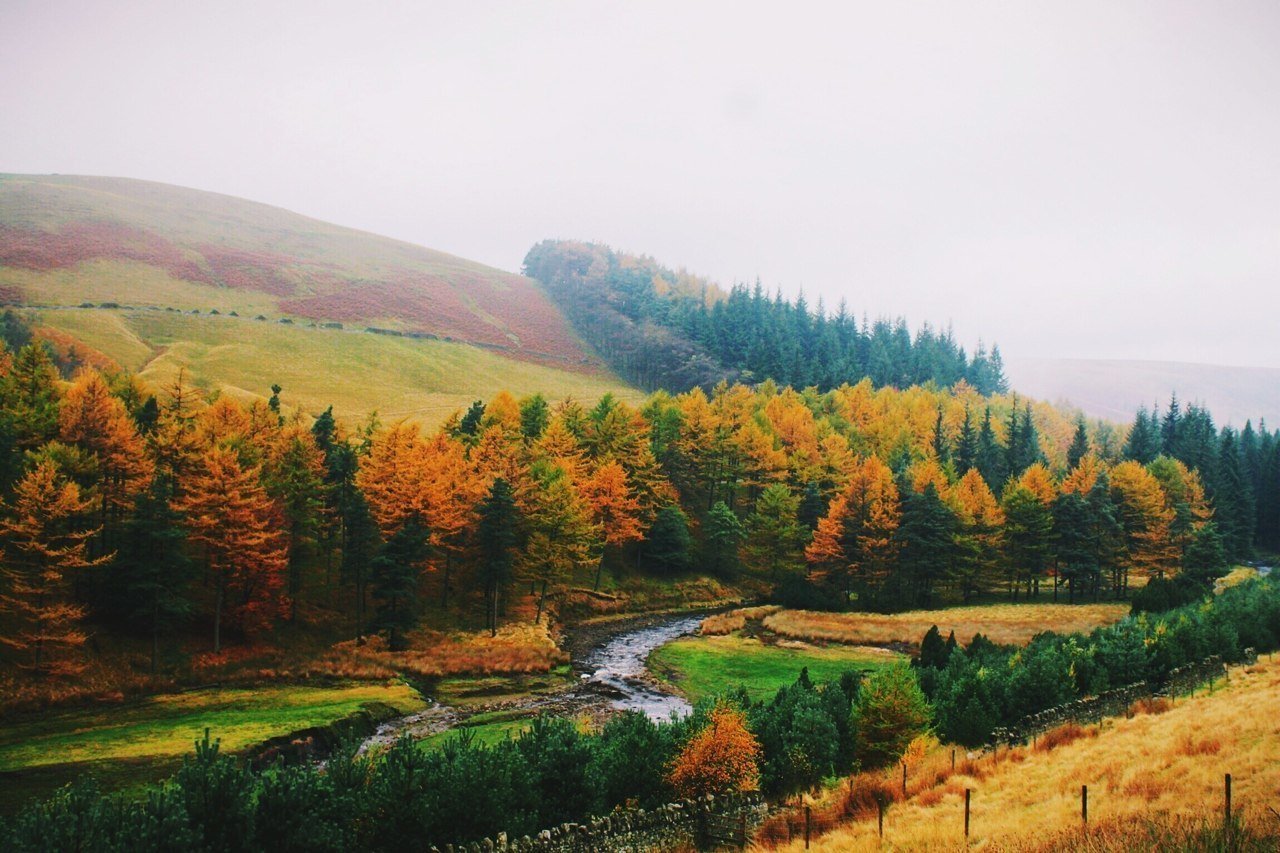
1226	814
806	827
967	793
904	780
953	759
1084	803
880	816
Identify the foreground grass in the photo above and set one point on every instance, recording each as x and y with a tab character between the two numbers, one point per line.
1013	624
705	666
1151	776
398	377
166	726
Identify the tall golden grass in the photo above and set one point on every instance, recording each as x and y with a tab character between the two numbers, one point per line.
1001	623
721	624
1151	776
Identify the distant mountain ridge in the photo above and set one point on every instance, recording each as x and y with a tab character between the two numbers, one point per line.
71	239
1116	389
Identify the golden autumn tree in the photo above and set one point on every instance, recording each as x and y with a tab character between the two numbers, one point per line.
560	532
93	419
231	518
1146	519
614	510
853	545
44	548
722	758
978	539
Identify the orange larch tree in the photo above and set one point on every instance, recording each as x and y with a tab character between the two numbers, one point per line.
229	514
723	758
854	542
614	510
44	548
1146	519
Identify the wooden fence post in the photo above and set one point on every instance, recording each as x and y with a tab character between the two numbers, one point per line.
904	780
967	793
1084	803
953	759
1226	814
806	827
880	816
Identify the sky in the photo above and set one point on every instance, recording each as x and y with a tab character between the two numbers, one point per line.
1071	179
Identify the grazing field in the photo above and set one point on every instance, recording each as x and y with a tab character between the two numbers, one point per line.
1156	776
705	666
1012	624
355	372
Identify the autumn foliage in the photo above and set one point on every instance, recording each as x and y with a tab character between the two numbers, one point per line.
721	758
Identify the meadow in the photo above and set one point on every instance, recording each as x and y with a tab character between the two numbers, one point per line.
1155	774
1012	624
144	740
356	372
704	666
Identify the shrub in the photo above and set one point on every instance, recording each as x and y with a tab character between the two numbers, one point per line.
889	713
721	758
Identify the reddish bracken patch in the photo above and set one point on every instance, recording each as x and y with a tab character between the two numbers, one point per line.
244	270
65	345
86	241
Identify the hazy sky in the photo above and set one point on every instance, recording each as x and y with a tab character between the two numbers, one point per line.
1069	179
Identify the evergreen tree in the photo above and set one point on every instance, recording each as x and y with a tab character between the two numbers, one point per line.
1233	500
775	539
1143	444
966	455
1079	445
722	535
927	541
1169	427
668	543
393	577
812	506
360	545
990	455
498	537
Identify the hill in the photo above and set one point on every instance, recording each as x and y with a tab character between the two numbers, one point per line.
165	268
1116	389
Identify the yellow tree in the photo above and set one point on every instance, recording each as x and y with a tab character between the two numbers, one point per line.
722	758
1146	519
229	515
978	542
560	532
93	419
614	510
854	543
44	548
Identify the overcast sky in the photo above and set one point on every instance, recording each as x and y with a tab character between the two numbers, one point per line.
1068	179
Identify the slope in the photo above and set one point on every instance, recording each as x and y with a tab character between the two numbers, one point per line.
65	240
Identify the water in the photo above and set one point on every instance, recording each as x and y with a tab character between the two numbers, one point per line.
619	665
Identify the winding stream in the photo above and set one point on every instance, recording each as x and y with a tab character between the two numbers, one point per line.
614	676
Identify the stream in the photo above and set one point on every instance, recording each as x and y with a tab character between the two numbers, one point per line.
613	676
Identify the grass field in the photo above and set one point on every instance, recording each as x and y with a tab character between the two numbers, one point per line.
705	666
357	372
1166	767
1013	624
167	725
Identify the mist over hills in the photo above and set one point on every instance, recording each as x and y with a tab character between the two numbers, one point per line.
1116	389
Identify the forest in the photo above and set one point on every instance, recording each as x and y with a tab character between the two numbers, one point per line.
664	329
167	514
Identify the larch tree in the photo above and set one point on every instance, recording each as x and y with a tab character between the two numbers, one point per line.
978	539
559	533
1147	520
44	541
614	510
854	545
230	516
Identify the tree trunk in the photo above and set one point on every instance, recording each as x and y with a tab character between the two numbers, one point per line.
599	568
541	599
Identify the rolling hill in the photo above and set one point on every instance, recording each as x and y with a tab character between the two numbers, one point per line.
155	278
1116	389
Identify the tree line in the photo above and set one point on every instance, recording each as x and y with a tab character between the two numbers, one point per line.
665	329
156	511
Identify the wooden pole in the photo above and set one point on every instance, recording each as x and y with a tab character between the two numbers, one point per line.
806	827
880	816
953	760
1226	814
1084	803
967	793
904	780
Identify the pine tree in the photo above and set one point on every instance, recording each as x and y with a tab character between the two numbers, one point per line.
668	544
966	455
812	506
722	536
497	537
360	545
1143	444
30	397
990	456
926	540
294	477
775	538
1079	445
393	577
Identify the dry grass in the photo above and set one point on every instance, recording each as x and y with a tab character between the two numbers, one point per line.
721	624
1151	776
1001	623
1063	735
1150	705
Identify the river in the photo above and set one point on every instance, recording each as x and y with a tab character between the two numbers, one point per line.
612	675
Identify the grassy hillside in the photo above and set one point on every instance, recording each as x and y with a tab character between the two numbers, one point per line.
70	239
1153	779
1116	389
355	371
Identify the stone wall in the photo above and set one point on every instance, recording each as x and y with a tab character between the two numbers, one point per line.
634	830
